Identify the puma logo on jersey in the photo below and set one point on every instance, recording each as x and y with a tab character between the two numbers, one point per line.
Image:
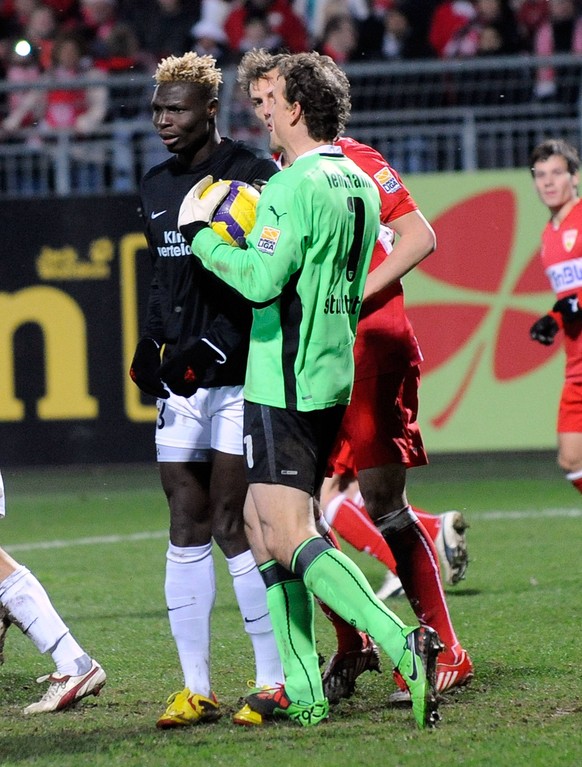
277	215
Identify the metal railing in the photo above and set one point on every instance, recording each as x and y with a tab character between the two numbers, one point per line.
425	116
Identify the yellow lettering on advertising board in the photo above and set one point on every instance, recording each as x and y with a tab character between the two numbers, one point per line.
65	350
129	247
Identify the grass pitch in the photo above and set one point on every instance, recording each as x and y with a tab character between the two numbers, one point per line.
96	539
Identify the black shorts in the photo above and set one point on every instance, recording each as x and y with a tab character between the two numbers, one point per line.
288	447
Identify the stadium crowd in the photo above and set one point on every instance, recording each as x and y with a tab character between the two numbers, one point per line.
127	34
55	40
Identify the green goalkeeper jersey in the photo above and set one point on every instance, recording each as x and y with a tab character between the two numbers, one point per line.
304	269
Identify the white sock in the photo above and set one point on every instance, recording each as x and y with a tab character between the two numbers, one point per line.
251	595
322	526
29	606
332	507
190	593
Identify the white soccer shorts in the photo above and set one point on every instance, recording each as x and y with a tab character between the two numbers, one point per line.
188	428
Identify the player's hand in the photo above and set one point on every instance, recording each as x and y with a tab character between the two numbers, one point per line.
569	308
195	209
145	368
185	372
544	330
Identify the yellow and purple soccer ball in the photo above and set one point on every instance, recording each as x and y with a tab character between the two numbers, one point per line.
235	217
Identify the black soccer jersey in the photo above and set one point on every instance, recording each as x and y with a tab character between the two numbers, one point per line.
187	302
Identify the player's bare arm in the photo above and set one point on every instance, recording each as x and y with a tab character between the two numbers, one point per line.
415	240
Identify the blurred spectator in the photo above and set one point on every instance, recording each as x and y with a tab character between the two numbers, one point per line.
65	9
162	26
208	38
316	14
283	23
400	39
257	33
21	11
64	106
494	30
340	39
98	19
448	19
41	31
560	33
530	14
123	56
23	67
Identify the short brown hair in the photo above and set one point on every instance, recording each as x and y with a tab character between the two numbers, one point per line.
254	65
556	146
321	88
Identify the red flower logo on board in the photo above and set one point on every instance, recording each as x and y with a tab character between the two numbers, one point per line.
473	258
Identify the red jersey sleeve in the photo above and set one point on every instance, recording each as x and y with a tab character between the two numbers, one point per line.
395	197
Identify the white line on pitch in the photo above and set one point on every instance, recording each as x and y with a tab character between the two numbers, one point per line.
525	514
95	541
107	539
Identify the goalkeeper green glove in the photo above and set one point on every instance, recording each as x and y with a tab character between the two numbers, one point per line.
196	211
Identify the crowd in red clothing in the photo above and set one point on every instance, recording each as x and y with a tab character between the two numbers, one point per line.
57	39
348	30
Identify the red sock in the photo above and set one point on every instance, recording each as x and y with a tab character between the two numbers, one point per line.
418	569
355	526
575	478
431	522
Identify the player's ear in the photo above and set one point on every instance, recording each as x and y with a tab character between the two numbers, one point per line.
212	108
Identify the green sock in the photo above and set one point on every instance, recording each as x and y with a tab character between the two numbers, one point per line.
291	608
340	584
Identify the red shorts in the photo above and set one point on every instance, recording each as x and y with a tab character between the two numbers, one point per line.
380	424
570	410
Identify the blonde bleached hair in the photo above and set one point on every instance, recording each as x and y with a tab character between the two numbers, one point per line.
189	68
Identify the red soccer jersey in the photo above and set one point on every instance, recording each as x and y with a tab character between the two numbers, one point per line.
385	339
562	262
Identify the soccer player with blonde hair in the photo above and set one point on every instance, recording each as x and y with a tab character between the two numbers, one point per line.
199	439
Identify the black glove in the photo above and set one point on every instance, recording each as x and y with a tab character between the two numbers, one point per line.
184	372
544	330
569	308
145	368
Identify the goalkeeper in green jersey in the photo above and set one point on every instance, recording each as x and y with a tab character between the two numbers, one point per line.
304	270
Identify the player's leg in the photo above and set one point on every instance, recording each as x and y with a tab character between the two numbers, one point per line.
382	458
228	490
288	537
337	581
570	433
356	653
353	524
183	451
5	624
28	606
